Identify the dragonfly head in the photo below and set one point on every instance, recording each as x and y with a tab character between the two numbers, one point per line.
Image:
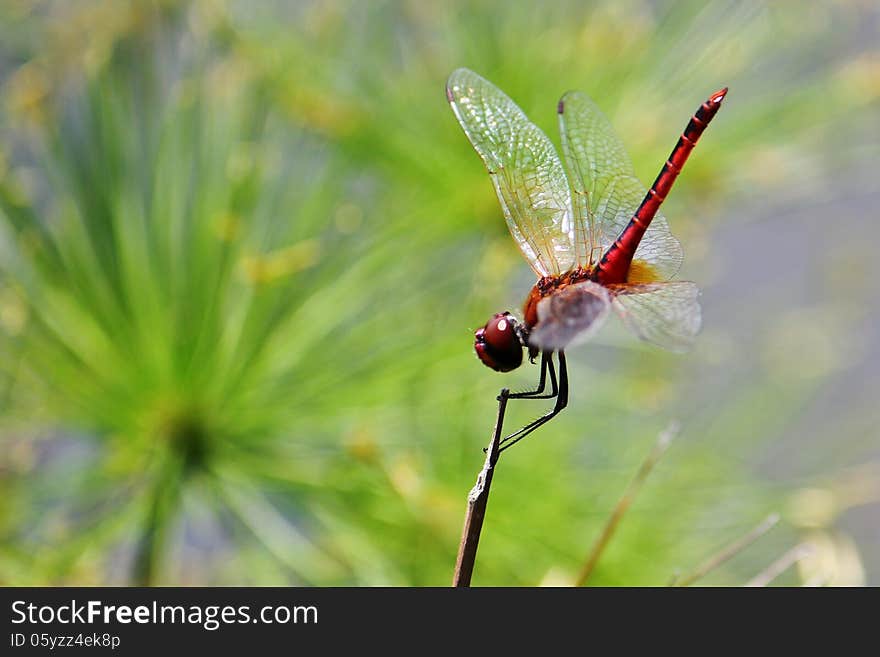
499	343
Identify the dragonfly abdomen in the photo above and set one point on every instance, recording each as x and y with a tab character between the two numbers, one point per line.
614	265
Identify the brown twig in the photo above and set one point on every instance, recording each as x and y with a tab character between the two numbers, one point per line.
782	564
626	500
478	498
728	552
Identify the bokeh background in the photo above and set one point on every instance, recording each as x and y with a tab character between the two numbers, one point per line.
244	247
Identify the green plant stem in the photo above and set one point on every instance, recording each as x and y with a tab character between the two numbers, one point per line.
783	563
728	552
626	500
164	498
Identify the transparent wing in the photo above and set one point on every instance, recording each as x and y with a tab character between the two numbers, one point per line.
570	315
605	190
665	314
525	169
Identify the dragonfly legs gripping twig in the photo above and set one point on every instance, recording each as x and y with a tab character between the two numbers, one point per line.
559	391
546	366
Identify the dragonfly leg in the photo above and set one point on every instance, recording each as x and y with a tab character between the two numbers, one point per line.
546	366
561	402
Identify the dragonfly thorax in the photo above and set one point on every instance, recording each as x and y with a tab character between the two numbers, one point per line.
547	285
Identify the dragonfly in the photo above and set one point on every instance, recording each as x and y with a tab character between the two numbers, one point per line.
587	227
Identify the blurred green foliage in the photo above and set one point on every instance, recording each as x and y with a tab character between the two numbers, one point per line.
244	246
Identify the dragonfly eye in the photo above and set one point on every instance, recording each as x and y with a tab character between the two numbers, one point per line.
498	344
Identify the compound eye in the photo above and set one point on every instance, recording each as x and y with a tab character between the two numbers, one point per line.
498	345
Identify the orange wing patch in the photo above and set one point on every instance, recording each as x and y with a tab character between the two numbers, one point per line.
642	272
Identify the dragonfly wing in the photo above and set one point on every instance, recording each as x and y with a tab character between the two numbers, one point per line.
525	170
592	152
606	191
570	315
665	314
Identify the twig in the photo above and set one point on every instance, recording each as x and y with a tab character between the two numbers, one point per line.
728	552
478	498
779	566
623	504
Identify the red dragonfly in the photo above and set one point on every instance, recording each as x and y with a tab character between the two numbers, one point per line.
588	228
